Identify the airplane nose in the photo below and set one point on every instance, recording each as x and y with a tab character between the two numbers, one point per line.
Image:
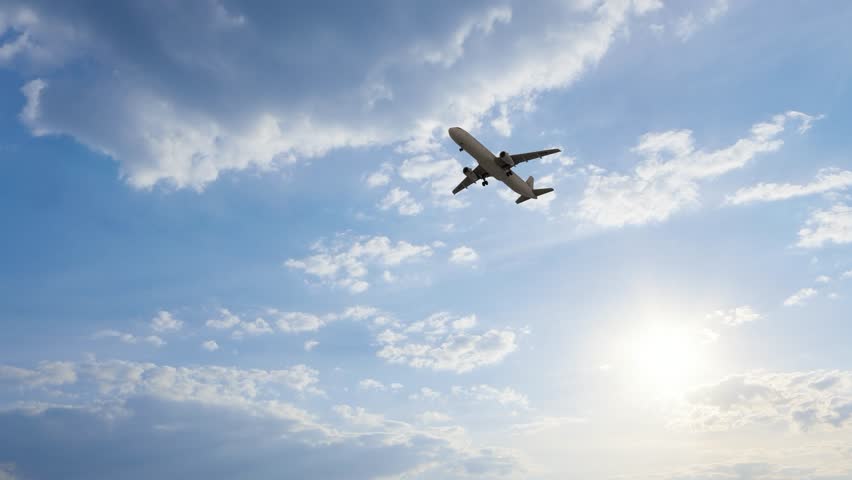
454	132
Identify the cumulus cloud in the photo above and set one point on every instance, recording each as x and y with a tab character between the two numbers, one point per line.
439	176
210	345
371	384
161	100
165	322
828	179
402	201
440	342
799	298
127	404
464	254
735	316
380	177
129	337
687	25
668	177
827	226
227	320
804	400
346	265
507	397
310	345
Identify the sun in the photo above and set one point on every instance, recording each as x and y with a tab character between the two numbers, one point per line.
664	360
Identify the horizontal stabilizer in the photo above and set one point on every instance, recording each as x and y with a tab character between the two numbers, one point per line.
538	192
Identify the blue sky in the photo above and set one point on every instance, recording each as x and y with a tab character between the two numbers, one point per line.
230	250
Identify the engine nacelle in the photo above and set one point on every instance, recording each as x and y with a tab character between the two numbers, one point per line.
469	173
507	159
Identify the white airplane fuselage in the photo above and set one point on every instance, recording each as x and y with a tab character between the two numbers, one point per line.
488	161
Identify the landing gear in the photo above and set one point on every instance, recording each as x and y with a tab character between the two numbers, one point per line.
461	149
509	173
484	183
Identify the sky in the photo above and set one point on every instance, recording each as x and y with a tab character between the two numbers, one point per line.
229	246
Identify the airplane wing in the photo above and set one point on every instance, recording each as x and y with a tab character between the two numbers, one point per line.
526	157
479	171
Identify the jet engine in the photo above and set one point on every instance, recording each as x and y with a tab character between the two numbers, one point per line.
470	174
507	159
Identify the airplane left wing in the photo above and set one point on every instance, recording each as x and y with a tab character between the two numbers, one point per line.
526	157
478	172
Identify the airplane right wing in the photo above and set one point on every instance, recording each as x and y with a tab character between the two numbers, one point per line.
526	157
479	172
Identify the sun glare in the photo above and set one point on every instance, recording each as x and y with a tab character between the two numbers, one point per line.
664	361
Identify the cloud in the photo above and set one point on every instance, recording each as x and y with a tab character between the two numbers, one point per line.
46	374
441	342
805	400
433	417
258	327
799	298
129	337
687	25
735	316
543	423
381	177
668	177
828	179
823	279
402	201
150	440
371	384
463	255
165	322
310	345
346	266
827	226
179	103
507	397
228	320
439	176
210	345
295	322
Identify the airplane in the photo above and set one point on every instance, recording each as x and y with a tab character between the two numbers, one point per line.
497	166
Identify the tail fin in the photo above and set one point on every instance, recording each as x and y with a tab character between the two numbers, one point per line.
530	181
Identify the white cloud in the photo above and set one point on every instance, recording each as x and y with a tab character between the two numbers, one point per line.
425	392
210	345
381	177
189	130
46	374
359	416
346	265
667	178
827	226
828	179
823	279
806	400
440	176
846	275
507	397
542	423
310	345
441	342
165	322
800	298
228	320
464	254
295	322
689	24
258	327
130	338
429	417
501	123
371	384
360	312
402	201
735	316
